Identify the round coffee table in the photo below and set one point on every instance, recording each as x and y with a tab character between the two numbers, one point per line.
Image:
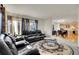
50	46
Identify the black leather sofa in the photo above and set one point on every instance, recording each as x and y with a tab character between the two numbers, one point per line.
33	36
8	47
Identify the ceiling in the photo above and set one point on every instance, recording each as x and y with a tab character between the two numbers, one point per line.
43	10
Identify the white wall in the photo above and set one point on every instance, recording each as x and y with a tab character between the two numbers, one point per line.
41	24
46	24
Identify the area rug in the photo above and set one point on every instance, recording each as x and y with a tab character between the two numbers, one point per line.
46	50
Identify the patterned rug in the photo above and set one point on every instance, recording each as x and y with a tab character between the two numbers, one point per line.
48	47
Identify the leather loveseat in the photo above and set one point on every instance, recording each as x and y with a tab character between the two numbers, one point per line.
8	47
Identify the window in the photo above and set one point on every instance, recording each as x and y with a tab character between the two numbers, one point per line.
9	24
17	26
14	25
33	25
0	22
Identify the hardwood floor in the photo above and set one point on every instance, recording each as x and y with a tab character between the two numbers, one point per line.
72	37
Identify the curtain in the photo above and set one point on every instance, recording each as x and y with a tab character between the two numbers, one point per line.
36	21
19	26
3	20
23	26
27	24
